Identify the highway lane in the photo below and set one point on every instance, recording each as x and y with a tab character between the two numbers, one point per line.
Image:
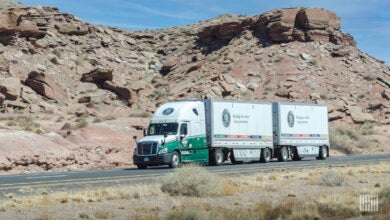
96	177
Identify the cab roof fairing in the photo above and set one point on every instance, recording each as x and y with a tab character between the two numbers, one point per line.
182	111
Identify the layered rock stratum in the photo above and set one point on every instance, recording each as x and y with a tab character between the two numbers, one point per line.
73	94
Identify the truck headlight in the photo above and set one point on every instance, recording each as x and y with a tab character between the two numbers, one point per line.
163	151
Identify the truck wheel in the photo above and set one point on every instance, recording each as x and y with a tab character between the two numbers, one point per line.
283	154
322	153
141	166
175	160
265	156
218	157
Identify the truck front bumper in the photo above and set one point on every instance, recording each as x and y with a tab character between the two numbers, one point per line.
153	160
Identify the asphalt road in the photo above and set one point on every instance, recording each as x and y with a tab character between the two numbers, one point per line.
115	176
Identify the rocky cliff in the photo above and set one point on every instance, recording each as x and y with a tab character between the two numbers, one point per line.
69	77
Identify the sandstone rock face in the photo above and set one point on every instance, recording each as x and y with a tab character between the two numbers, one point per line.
46	86
315	18
311	24
88	79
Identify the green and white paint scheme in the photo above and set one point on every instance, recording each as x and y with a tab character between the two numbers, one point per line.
212	131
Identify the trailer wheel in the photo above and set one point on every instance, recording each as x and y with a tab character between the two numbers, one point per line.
283	154
265	156
175	160
218	157
141	166
323	152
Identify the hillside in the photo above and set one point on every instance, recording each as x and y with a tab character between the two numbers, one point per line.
73	94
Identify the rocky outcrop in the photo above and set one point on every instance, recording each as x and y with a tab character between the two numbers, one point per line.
307	24
46	86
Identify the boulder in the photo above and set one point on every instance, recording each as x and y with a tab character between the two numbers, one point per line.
46	86
335	115
10	88
358	116
168	64
122	92
72	29
223	31
15	104
98	76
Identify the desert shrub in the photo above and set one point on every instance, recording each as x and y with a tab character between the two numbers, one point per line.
82	123
192	181
344	137
332	178
186	213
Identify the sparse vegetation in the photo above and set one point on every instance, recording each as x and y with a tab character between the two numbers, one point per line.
25	122
345	137
230	200
191	181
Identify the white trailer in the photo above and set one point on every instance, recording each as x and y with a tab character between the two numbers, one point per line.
300	130
243	129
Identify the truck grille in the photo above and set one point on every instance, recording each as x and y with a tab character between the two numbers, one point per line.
147	148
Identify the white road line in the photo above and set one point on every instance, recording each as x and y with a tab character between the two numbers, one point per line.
45	177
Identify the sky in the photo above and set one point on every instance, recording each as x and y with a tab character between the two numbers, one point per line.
367	20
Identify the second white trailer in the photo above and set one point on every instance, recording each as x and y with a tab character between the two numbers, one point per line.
300	130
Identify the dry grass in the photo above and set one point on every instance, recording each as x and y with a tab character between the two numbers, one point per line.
260	196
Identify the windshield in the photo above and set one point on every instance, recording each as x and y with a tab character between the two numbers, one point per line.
160	129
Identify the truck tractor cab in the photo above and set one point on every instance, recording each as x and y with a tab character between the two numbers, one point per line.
175	134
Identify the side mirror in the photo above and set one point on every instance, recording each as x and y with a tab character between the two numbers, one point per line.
165	134
144	131
135	137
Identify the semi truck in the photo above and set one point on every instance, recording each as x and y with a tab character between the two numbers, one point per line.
214	131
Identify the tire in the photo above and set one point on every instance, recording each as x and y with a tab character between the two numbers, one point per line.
175	160
265	155
283	154
218	157
296	156
323	153
233	160
142	166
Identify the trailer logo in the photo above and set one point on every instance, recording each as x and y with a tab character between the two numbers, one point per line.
226	118
290	119
168	111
